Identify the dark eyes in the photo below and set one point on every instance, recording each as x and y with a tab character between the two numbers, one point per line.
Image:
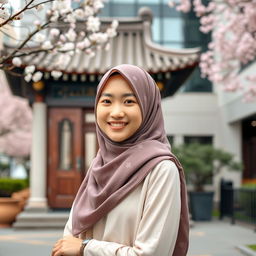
105	101
126	102
129	101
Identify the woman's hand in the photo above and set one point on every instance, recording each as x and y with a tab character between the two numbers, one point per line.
67	246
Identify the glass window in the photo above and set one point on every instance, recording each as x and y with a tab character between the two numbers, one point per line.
167	1
105	12
173	29
170	12
198	139
123	1
149	1
173	45
123	10
196	83
156	30
65	145
191	30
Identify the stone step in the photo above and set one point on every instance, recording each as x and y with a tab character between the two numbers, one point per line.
41	220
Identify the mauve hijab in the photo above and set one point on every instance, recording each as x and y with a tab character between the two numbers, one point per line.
119	167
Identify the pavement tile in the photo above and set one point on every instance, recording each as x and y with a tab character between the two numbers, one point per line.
214	238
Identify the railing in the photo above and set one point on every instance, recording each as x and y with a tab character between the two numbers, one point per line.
245	205
238	204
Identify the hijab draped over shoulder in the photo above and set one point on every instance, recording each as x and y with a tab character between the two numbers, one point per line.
119	167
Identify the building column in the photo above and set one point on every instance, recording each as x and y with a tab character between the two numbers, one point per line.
38	170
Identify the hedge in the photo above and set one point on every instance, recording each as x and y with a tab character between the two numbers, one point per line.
8	186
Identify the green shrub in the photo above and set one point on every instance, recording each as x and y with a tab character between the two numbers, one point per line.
249	186
252	246
8	186
201	162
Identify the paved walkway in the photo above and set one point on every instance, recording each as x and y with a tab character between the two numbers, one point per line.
219	238
215	238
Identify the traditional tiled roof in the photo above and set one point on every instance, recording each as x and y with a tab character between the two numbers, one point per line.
132	45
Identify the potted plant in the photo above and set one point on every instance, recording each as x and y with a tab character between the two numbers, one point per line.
201	163
13	194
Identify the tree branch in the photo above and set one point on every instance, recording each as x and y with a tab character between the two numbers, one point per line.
5	59
16	14
45	2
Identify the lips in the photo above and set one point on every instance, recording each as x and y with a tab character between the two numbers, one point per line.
117	125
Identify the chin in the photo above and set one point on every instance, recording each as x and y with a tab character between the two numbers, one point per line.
117	139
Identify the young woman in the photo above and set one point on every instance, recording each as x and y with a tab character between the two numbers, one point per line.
132	201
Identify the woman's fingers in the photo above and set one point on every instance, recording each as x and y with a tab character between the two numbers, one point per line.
56	251
68	246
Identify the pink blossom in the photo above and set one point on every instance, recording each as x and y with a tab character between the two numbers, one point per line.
54	32
233	25
15	125
184	6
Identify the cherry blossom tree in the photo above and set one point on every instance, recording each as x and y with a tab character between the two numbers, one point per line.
15	123
63	43
232	24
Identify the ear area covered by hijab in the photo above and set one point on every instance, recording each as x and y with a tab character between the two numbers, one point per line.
119	167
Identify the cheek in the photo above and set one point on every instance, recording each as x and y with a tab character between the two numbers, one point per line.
137	117
101	116
98	114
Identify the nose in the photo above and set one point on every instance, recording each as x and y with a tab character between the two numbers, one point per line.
117	111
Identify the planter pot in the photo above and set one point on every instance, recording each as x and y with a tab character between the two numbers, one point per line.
9	209
22	196
201	205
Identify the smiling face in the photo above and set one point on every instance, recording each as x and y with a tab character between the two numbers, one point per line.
118	111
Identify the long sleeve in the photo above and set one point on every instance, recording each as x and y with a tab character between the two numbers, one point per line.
156	232
68	226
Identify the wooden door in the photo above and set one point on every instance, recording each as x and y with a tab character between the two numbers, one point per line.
65	155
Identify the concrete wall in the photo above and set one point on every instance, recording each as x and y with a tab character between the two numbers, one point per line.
199	114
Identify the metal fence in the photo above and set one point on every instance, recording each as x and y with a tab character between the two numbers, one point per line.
238	204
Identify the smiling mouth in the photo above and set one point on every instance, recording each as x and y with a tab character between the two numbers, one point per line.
117	124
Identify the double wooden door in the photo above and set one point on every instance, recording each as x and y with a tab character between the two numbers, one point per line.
71	147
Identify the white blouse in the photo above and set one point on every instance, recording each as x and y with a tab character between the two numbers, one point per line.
145	223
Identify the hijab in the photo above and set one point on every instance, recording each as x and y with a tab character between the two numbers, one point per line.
119	167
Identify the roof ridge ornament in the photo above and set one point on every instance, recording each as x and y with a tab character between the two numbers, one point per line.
146	14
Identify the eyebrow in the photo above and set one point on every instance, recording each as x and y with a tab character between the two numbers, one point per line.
123	95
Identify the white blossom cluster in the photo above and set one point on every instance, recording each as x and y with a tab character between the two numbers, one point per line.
62	43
